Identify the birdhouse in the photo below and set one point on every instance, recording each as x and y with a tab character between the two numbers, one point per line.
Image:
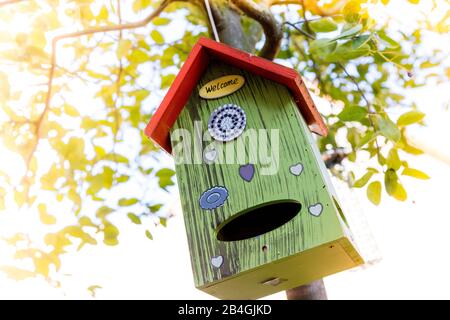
260	212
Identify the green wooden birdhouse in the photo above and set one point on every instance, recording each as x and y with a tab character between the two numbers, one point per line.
260	212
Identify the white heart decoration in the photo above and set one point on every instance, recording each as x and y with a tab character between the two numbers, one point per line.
296	169
210	155
217	261
315	210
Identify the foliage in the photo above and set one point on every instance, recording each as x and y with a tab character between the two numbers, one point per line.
85	161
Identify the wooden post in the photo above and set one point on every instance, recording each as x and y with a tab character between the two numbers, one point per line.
313	291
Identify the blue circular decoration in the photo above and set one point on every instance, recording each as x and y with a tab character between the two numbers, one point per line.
227	122
213	198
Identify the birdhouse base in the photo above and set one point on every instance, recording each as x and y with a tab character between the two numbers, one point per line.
288	273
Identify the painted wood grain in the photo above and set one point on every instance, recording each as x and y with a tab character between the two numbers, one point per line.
267	105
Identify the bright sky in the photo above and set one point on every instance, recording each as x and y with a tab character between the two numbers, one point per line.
412	237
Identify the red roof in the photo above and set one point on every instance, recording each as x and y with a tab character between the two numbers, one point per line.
164	118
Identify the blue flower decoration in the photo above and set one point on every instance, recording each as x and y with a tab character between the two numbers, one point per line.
213	198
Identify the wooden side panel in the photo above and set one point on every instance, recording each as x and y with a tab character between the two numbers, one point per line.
268	105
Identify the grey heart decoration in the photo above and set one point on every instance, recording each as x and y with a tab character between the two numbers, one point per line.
296	169
217	261
210	155
247	172
315	210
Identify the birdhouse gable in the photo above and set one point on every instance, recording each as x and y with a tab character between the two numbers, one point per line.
202	54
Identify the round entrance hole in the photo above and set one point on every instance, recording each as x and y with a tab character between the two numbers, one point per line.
258	220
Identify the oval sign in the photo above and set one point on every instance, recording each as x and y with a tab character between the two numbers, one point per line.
222	87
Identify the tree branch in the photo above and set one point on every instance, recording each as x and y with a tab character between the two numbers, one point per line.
119	27
312	291
368	104
7	2
272	30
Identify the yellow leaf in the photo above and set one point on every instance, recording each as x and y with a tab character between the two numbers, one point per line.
415	173
20	197
4	87
16	273
70	110
37	39
374	192
44	216
103	14
352	11
123	48
93	290
110	235
400	192
393	161
410	117
157	37
361	182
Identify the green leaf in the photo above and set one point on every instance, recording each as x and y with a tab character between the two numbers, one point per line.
322	47
123	179
347	51
155	208
366	138
361	182
323	25
388	129
374	192
163	221
157	37
103	211
410	118
165	177
349	32
388	41
160	21
167	80
139	56
415	173
148	234
360	41
110	235
390	181
134	218
127	202
393	160
352	113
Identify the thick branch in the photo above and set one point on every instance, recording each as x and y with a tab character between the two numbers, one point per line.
313	291
272	30
119	27
228	21
7	2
